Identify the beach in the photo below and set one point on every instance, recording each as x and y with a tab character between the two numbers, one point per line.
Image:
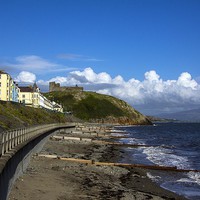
50	177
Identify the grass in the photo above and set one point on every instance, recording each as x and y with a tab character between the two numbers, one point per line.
95	108
14	115
90	106
87	106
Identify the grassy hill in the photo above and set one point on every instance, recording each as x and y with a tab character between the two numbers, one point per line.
15	115
94	107
86	106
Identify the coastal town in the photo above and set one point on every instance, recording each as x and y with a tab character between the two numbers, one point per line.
26	95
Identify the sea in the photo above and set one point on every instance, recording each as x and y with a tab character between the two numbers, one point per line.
169	144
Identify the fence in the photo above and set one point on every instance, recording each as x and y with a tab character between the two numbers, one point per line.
12	138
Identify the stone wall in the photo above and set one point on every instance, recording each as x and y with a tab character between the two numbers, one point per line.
56	87
14	163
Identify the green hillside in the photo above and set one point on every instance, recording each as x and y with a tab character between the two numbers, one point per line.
94	107
15	115
86	106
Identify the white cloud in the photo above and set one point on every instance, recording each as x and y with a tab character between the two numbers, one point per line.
33	61
186	80
91	76
152	95
26	77
152	76
34	64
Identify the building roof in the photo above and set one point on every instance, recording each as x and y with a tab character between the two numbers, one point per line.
2	72
26	89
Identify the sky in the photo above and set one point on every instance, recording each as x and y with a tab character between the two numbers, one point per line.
146	52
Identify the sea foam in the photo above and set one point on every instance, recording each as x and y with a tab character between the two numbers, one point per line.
165	157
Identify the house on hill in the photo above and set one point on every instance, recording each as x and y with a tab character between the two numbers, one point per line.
9	90
29	96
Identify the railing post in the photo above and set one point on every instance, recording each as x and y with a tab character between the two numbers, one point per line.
24	135
1	143
9	140
6	142
21	136
15	140
22	131
18	136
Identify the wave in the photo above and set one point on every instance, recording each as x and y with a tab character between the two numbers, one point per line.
118	131
165	157
132	141
192	178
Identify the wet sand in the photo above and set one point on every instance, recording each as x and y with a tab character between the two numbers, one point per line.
55	179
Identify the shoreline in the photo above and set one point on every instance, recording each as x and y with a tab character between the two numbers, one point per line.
47	178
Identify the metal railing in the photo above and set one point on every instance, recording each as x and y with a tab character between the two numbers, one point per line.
12	138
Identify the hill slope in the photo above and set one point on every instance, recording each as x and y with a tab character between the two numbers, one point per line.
94	107
15	115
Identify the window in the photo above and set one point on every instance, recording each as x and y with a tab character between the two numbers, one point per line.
0	84
0	76
23	96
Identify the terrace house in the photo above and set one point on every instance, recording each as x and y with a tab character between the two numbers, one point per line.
29	96
9	90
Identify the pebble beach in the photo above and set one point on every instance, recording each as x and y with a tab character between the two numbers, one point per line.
50	177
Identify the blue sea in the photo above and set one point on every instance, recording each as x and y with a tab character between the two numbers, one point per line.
170	144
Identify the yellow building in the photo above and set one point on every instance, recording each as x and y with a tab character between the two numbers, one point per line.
29	96
8	88
25	96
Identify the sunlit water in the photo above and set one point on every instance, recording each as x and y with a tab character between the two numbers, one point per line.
170	144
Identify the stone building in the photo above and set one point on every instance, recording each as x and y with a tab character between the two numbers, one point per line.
56	87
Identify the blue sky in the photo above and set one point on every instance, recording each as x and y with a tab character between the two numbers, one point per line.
62	38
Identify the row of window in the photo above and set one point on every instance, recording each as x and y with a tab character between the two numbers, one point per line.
7	84
33	96
7	76
7	98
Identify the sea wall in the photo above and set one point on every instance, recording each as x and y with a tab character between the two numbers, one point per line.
15	162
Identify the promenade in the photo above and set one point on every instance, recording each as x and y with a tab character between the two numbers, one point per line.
60	170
